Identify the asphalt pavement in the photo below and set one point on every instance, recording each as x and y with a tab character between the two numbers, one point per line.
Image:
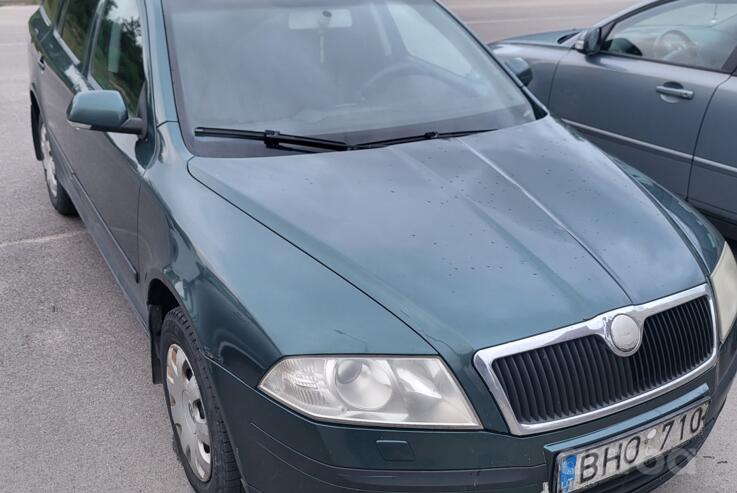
498	19
77	410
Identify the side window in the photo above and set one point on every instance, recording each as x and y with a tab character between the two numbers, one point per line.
698	33
77	23
51	7
117	60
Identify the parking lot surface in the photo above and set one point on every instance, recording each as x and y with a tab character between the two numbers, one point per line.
78	411
498	19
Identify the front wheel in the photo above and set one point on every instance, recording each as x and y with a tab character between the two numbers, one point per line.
201	439
57	195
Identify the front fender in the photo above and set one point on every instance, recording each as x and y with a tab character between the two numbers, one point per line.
252	296
703	236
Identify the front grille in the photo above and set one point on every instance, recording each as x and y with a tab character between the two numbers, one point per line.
582	375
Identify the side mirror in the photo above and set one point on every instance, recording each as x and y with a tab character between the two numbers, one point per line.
521	69
590	43
103	111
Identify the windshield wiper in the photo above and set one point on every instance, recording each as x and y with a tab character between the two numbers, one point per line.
273	139
417	138
276	140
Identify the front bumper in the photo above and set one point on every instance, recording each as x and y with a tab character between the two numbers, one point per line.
279	451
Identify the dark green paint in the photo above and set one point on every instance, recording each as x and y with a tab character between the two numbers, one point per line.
103	109
440	247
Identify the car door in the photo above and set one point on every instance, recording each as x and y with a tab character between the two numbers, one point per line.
713	186
643	96
61	55
40	25
107	167
110	165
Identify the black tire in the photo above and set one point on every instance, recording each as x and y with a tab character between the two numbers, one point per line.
224	475
58	196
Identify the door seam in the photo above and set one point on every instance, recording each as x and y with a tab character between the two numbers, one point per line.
698	135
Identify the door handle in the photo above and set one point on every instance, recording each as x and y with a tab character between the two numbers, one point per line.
41	63
675	91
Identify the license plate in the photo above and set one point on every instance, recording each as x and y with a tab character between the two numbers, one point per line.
583	468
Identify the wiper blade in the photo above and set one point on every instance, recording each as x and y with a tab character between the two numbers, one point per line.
272	138
418	138
276	140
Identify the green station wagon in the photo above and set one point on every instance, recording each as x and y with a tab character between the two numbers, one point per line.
367	258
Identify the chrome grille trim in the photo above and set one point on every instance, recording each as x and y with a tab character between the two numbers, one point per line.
484	359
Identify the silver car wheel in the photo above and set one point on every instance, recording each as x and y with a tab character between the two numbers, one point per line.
48	161
188	412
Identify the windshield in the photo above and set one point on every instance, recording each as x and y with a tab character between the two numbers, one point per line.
348	70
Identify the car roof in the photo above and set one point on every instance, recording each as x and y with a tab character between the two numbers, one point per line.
644	5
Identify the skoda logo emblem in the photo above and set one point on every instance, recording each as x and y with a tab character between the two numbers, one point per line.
625	333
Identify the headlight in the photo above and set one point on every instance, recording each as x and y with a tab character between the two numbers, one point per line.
724	283
399	392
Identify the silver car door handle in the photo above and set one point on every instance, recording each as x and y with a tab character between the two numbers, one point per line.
677	92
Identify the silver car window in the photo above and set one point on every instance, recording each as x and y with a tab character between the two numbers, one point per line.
695	33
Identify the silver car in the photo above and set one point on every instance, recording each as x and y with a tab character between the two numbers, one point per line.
654	86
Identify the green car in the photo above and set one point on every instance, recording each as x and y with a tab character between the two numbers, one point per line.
367	258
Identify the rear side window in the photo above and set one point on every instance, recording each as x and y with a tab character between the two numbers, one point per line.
51	7
117	60
77	23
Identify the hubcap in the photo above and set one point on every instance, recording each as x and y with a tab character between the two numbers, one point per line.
48	162
188	411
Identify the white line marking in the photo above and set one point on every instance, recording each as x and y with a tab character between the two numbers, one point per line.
42	239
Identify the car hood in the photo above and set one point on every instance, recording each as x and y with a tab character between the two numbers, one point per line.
546	38
471	242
